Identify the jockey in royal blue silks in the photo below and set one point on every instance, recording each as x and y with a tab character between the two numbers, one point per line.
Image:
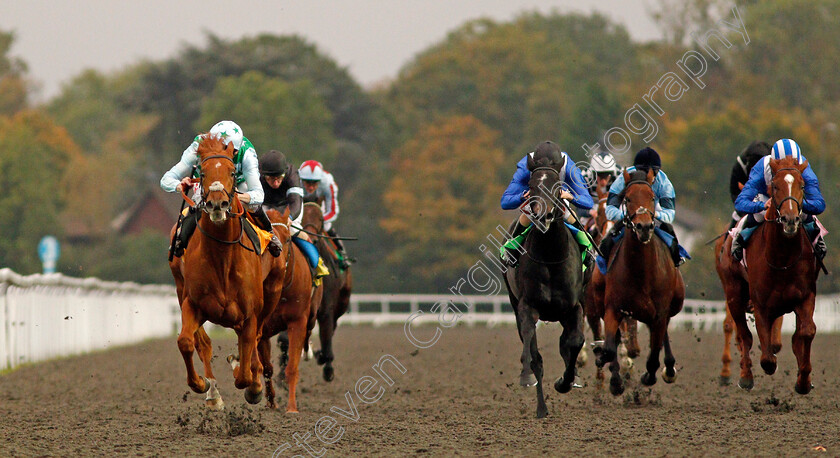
573	189
646	159
754	200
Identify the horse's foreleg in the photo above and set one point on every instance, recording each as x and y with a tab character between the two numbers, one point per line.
254	392
571	341
297	334
247	342
530	352
763	327
658	330
264	350
776	336
802	338
283	359
204	347
526	375
726	358
186	344
608	354
326	329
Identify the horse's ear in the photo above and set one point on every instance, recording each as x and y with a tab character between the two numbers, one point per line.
774	165
626	177
803	166
229	148
651	175
531	164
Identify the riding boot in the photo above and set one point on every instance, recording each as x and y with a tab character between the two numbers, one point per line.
274	246
511	255
738	248
344	261
608	242
820	249
188	225
675	246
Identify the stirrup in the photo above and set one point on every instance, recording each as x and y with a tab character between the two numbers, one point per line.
511	258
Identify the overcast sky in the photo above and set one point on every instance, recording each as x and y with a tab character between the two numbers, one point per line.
371	38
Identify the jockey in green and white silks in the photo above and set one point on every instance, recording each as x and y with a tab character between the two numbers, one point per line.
247	179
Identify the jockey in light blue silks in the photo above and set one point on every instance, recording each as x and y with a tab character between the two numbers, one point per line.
754	200
573	189
646	159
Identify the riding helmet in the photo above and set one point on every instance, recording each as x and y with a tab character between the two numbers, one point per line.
229	132
273	163
647	158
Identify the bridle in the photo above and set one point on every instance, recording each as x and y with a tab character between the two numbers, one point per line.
628	219
234	199
779	205
317	229
550	220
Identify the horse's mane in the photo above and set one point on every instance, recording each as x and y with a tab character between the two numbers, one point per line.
209	145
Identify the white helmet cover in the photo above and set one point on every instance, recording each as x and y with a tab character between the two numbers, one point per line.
311	171
229	132
604	162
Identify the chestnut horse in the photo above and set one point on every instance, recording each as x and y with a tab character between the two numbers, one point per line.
781	277
641	283
548	283
294	314
337	287
629	347
221	280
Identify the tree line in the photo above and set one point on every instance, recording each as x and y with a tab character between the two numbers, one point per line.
421	160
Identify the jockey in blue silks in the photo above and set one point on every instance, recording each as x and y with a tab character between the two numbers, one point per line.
646	159
754	200
573	189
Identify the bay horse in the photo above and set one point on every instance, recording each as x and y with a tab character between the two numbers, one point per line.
641	283
219	279
337	287
548	283
781	277
294	314
629	347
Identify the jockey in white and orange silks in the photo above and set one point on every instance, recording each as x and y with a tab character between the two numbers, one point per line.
320	184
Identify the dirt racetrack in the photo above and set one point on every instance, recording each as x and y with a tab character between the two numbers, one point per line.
459	397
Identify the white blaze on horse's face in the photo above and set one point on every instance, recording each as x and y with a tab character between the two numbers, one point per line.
217	210
789	180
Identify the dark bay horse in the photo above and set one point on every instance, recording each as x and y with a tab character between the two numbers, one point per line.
294	314
641	283
337	287
219	279
548	283
781	277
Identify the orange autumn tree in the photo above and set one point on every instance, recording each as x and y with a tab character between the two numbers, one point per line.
442	200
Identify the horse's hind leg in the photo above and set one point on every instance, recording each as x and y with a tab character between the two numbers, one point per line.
658	331
669	374
631	331
802	338
283	359
204	347
186	344
530	352
571	341
726	358
264	350
597	343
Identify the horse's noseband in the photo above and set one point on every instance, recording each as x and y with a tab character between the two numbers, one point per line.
213	187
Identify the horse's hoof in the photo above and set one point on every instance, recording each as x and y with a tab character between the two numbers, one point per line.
329	373
253	398
746	384
582	359
804	389
294	411
616	389
206	385
626	368
648	379
318	358
769	367
527	380
215	404
271	405
542	411
561	386
725	381
633	354
669	375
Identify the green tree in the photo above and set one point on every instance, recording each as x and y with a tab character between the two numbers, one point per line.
33	166
289	117
442	200
14	90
